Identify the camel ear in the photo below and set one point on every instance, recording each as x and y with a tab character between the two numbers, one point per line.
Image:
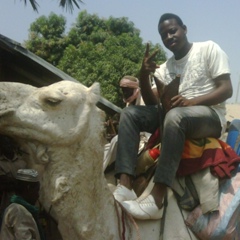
61	187
93	94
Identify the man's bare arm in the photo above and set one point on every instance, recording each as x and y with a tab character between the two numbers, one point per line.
222	92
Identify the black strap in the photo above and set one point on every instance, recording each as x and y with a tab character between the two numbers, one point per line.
162	221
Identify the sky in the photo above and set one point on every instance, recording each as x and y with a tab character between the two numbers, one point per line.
216	20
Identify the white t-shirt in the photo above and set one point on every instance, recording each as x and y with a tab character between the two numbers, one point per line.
204	62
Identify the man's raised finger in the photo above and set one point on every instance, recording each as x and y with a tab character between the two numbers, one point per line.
147	50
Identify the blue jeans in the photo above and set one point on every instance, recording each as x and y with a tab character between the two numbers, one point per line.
179	123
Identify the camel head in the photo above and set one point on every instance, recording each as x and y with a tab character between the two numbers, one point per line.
60	115
56	114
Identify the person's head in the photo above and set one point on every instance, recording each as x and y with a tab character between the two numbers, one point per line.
27	185
173	32
129	86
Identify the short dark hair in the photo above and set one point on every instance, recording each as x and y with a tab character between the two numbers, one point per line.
167	16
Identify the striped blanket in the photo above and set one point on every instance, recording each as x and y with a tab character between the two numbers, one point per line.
208	152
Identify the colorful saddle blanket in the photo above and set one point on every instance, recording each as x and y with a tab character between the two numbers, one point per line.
208	152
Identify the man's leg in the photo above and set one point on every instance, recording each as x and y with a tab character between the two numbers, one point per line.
181	123
134	119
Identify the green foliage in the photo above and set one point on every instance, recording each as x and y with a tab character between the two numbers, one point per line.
95	49
47	39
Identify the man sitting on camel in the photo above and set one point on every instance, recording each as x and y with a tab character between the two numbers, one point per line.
197	111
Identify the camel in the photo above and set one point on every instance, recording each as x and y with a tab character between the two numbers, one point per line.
61	130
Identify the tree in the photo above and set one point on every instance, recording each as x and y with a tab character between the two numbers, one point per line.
94	50
47	39
68	4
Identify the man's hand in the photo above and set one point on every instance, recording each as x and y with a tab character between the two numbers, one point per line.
180	101
148	65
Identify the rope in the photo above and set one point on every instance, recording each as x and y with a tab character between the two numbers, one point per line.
162	221
112	127
123	228
118	218
159	107
130	218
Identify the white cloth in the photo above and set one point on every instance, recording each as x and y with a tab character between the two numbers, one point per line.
204	62
207	187
139	101
110	149
18	223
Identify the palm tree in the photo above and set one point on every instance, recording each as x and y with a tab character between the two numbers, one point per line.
68	4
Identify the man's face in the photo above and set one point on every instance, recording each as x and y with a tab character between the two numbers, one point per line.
173	35
127	92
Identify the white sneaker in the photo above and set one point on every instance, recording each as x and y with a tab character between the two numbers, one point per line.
124	194
143	208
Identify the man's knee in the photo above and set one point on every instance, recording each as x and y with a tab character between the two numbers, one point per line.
131	112
174	116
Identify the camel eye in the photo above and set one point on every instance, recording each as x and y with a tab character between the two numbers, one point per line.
53	101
